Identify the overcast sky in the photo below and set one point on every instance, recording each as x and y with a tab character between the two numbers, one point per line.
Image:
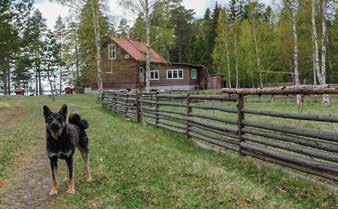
51	11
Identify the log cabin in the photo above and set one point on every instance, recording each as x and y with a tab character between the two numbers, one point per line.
124	68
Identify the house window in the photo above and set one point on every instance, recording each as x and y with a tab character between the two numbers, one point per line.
154	75
193	74
175	74
112	51
126	56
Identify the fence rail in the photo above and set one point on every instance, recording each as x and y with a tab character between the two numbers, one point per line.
224	121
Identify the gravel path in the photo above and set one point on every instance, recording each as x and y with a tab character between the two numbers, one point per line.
29	185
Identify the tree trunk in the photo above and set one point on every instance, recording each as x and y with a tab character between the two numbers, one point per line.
60	63
96	21
148	55
77	59
9	81
227	54
40	84
4	78
315	44
252	80
295	52
236	58
50	84
36	80
256	48
326	100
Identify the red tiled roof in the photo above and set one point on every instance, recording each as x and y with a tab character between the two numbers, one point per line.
137	50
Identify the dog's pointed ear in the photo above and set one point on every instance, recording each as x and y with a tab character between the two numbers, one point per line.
46	111
64	110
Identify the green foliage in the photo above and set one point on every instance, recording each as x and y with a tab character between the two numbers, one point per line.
87	47
14	18
219	55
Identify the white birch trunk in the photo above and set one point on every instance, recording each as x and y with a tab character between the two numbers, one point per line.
294	8
256	48
235	45
50	83
315	44
96	21
148	55
227	54
326	100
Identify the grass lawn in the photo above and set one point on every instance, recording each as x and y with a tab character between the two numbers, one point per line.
136	166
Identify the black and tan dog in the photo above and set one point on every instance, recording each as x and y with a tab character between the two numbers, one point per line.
62	140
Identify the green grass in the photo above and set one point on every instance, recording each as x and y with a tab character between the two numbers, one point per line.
136	166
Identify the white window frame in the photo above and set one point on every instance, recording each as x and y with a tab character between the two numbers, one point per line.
158	73
195	77
126	56
172	73
112	51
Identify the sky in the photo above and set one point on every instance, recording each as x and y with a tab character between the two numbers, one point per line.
51	10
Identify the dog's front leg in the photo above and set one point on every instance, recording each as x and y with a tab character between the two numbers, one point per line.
54	167
70	166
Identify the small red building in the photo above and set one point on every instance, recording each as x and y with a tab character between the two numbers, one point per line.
215	81
68	90
124	68
19	91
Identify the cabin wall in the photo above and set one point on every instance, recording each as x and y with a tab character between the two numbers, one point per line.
120	73
176	84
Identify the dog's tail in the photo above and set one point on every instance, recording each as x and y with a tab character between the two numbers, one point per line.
75	119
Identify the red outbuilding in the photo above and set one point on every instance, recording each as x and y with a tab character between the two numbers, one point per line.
68	90
19	91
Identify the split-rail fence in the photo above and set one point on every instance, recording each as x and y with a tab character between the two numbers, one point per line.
225	121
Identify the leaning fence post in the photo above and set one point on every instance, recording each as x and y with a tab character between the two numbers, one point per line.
102	99
126	103
189	110
115	102
240	115
157	110
112	102
138	107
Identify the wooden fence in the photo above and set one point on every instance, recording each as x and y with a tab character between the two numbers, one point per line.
286	138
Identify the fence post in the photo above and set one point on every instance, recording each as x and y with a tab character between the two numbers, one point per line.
157	109
127	97
189	110
115	104
240	115
112	102
102	98
138	107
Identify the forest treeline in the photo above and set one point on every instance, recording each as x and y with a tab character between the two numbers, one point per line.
250	43
247	37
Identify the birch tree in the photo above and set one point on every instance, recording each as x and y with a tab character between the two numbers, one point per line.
326	100
59	32
145	7
220	55
319	65
50	58
253	25
314	41
293	5
76	6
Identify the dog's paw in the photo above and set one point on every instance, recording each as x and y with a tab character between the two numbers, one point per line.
71	191
53	192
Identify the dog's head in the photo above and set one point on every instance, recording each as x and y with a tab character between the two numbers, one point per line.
55	121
